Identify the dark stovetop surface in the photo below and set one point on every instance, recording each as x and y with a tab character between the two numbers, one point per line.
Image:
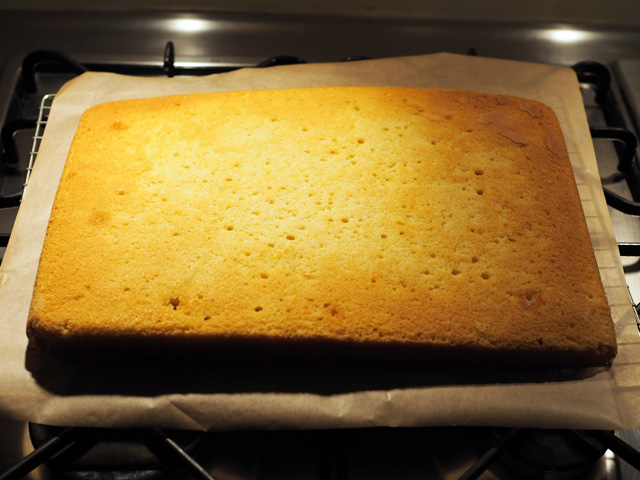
246	39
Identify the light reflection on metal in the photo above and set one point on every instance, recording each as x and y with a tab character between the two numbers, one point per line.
189	25
568	35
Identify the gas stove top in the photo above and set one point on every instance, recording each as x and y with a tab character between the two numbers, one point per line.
151	43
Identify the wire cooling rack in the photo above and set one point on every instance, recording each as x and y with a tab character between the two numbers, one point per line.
41	123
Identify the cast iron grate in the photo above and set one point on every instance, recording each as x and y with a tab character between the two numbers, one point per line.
69	453
133	454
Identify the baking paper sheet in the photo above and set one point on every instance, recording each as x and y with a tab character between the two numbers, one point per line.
182	393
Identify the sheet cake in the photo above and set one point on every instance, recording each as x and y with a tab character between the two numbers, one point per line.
325	222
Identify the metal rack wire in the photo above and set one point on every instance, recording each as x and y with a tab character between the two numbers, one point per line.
41	123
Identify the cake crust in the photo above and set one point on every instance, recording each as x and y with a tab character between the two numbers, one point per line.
330	221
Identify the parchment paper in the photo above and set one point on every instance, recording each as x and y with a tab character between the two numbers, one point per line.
180	393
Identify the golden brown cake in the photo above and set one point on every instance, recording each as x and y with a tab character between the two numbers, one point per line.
322	222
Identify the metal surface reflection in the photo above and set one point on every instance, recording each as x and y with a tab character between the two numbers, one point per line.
189	25
569	35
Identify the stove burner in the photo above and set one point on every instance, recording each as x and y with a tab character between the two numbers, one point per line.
113	454
549	454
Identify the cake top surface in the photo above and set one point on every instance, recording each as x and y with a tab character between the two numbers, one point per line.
426	218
